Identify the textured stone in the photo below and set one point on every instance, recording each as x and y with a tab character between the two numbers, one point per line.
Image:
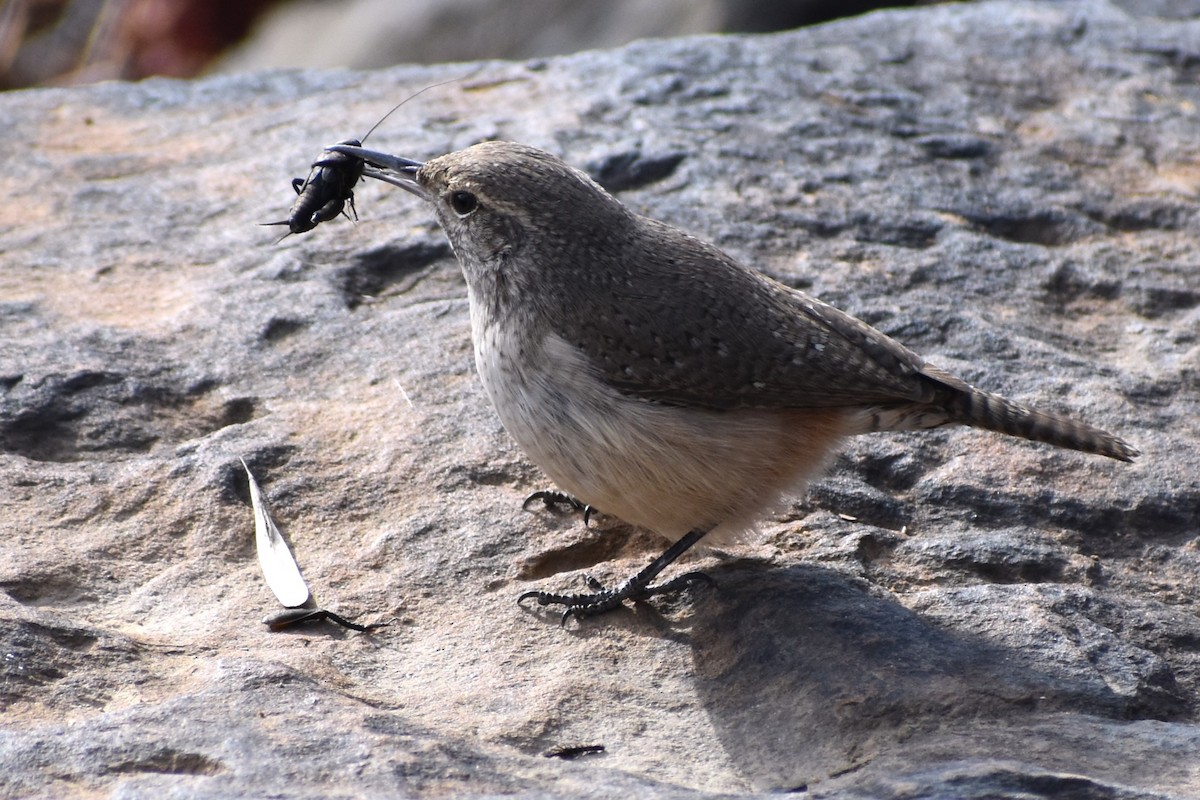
1008	188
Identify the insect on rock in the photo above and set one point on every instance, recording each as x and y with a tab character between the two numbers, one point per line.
323	195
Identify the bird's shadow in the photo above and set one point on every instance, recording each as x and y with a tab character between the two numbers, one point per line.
806	673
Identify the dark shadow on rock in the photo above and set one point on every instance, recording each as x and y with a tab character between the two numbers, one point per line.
380	269
633	169
97	415
806	677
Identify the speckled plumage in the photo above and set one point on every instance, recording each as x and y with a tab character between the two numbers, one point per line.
654	377
665	317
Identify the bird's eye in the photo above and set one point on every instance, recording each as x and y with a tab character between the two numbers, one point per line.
463	203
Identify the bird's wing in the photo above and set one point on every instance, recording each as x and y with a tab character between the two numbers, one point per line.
695	328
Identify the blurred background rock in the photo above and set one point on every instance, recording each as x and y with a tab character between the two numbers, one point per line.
60	42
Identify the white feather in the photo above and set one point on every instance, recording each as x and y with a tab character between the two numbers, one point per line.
278	565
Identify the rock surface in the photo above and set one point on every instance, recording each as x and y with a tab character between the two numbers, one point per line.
1008	188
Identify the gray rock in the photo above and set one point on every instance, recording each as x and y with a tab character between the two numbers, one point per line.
1009	188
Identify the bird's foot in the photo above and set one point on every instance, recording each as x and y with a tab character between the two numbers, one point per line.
553	499
601	600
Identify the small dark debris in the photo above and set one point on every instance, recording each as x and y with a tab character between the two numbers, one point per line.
574	751
955	146
302	616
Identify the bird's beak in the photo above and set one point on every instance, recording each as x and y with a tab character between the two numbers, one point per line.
386	167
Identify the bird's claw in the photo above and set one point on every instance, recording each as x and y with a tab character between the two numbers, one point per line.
552	499
602	600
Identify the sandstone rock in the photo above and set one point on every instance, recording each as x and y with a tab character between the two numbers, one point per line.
1009	188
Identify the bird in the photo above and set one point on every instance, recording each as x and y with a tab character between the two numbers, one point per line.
653	377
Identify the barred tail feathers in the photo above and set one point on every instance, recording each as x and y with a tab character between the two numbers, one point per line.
978	409
950	401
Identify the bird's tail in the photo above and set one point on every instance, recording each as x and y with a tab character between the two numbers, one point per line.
994	413
956	402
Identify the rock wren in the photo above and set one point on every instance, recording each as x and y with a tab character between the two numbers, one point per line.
652	376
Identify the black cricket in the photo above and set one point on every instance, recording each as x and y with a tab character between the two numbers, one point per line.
323	195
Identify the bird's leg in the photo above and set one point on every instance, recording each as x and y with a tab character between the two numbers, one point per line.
636	588
551	499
